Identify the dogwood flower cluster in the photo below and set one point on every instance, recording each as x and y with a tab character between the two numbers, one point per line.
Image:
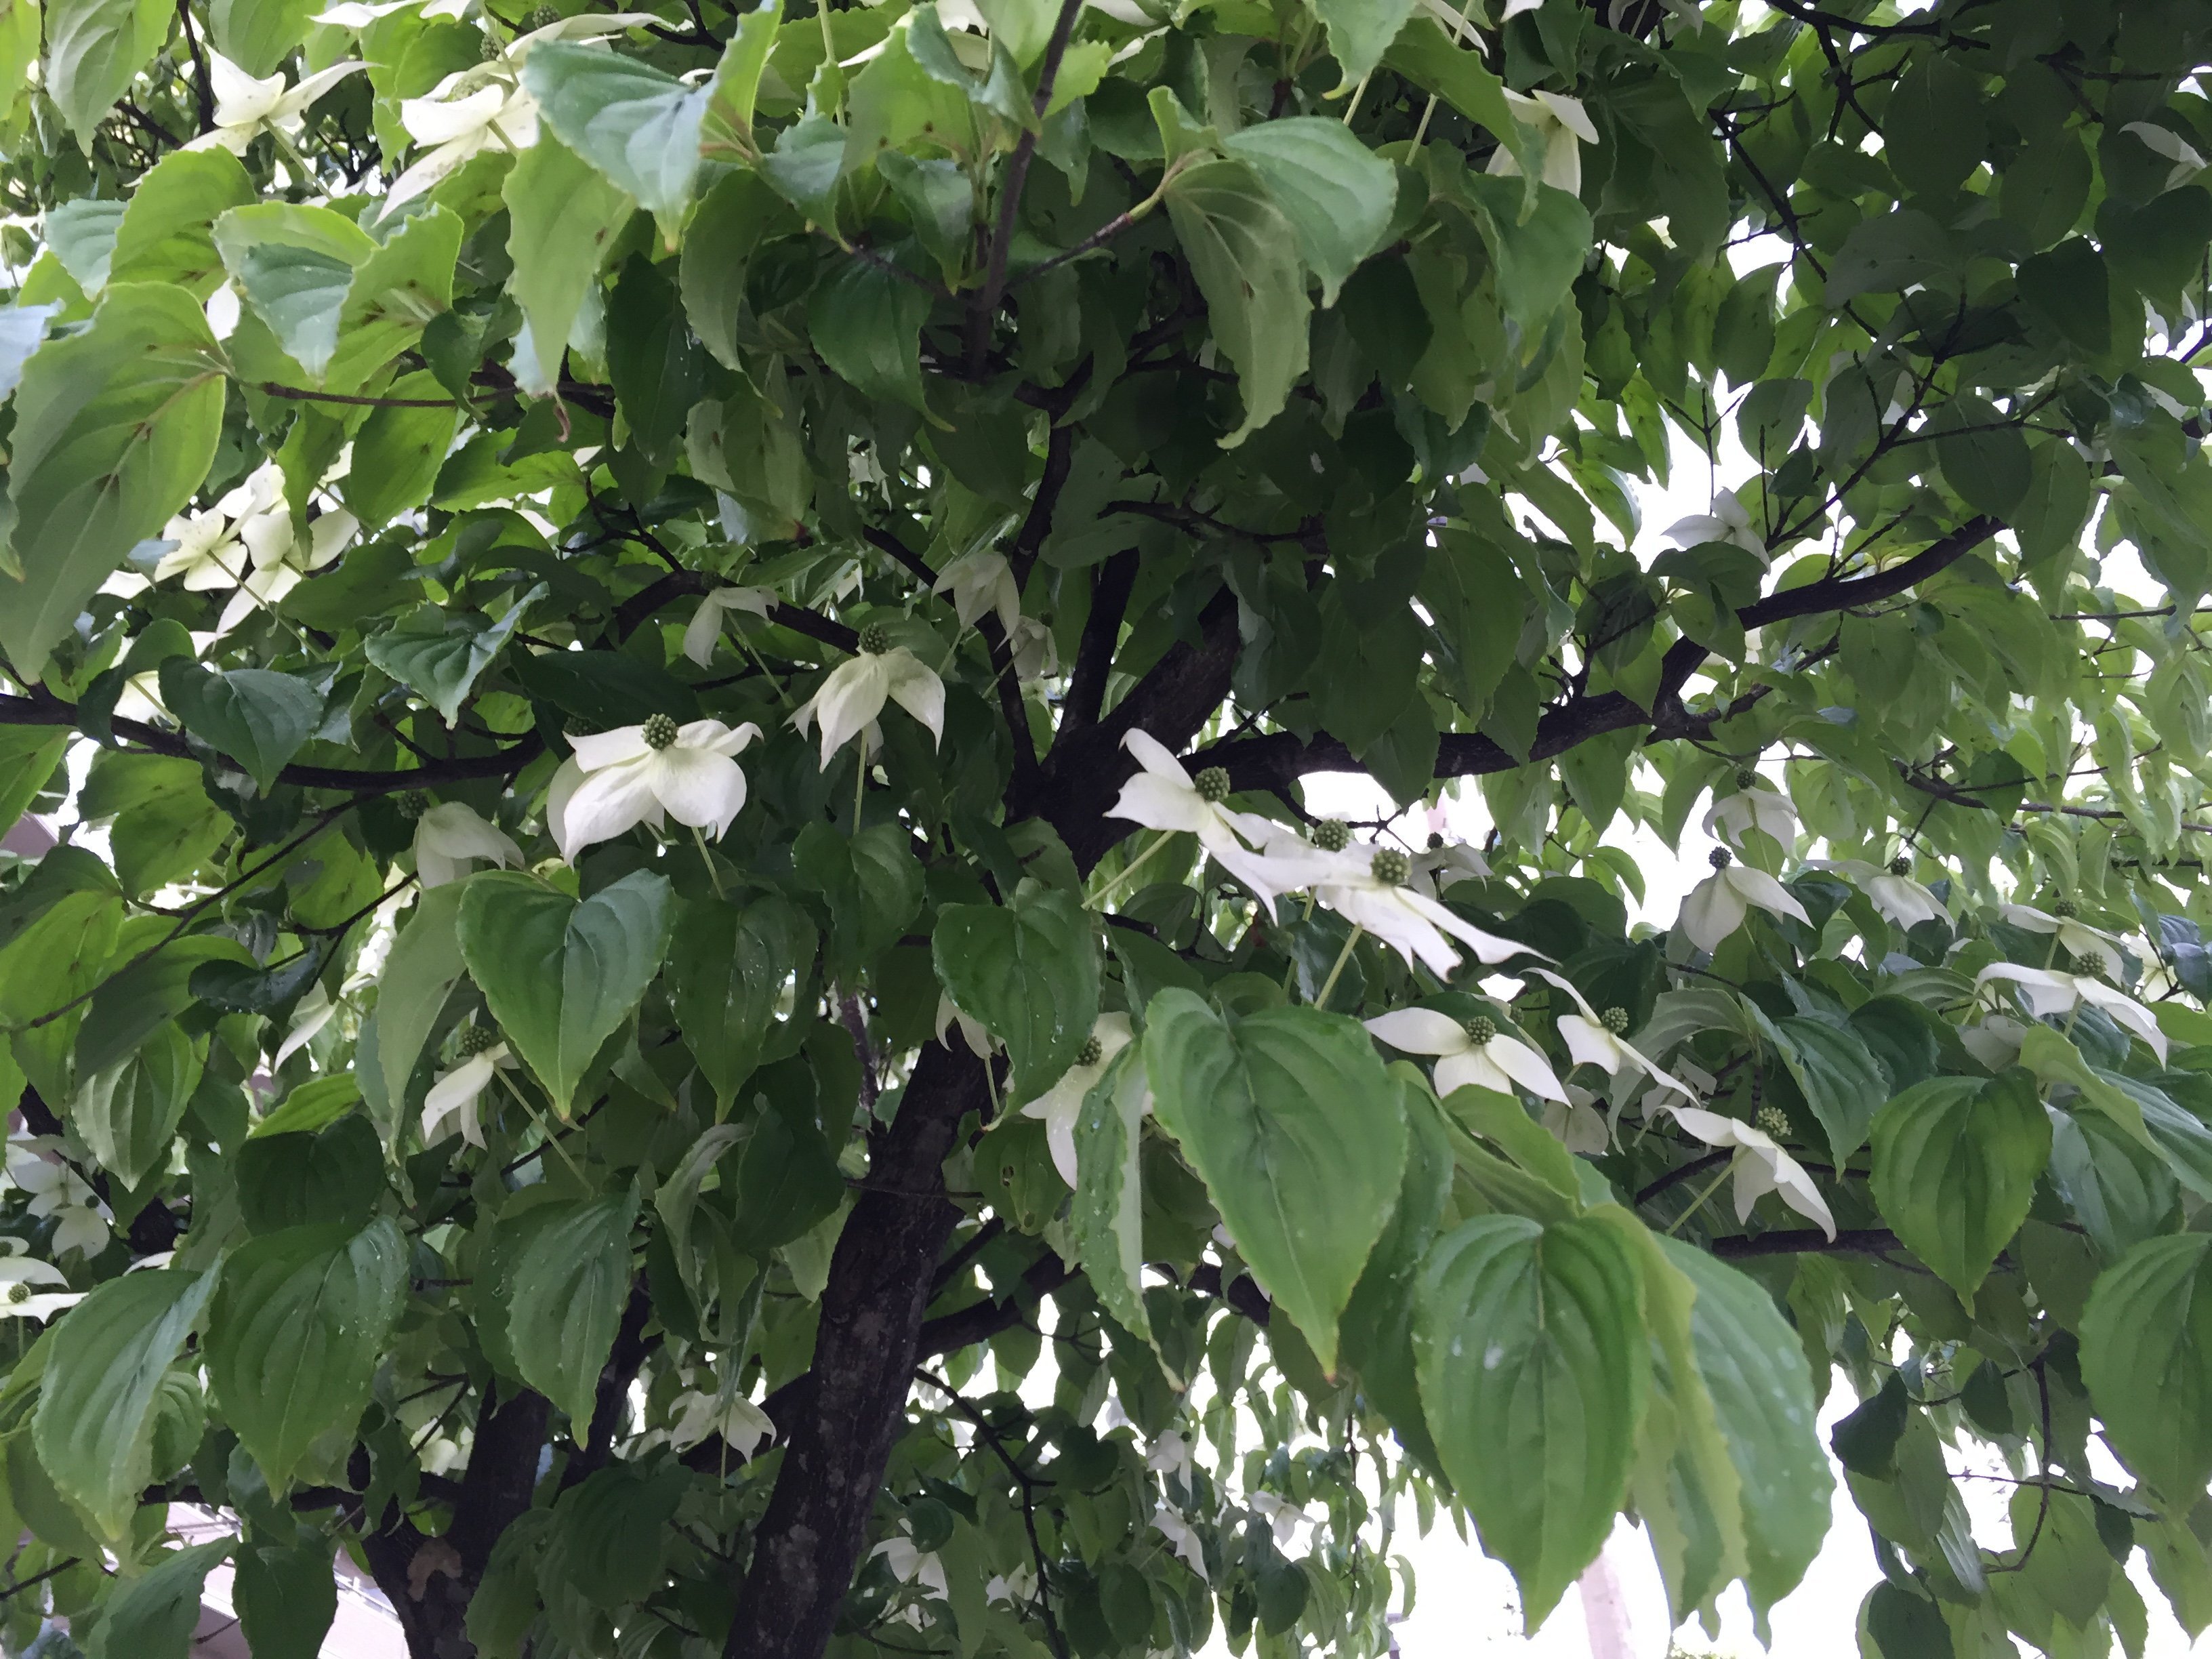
457	1094
848	703
1900	901
2077	937
1718	905
1729	521
1759	1165
1470	1053
246	541
23	1280
2045	992
81	1220
645	774
451	837
1058	1107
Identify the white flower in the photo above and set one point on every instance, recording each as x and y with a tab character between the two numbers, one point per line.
1355	885
1576	1123
458	1093
1474	1054
1761	1165
245	106
1718	905
1034	652
1765	811
910	1566
741	1424
848	703
2079	940
1592	1040
979	581
18	1274
1901	900
1563	126
1185	1541
212	547
618	780
2187	163
456	124
706	624
1162	796
278	561
973	1032
1171	1455
313	1012
1011	1587
451	837
2046	993
1440	866
1282	1516
1728	521
80	1219
1059	1105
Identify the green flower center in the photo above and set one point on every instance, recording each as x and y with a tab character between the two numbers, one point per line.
1900	866
2065	909
474	1039
413	803
488	49
1390	865
659	731
1212	785
1331	835
1718	858
19	1291
875	640
1773	1120
1745	777
1481	1029
1615	1020
544	17
1092	1052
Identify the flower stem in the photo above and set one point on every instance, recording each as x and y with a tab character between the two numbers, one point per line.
707	859
1342	956
860	781
1699	1203
1130	869
538	1118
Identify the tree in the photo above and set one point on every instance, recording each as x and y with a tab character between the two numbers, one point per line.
681	647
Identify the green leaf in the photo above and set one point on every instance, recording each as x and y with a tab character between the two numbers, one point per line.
1029	973
569	1291
1107	1218
506	1604
1336	192
562	212
728	965
1432	61
1886	254
259	35
439	654
257	716
561	976
299	1324
733	218
736	83
286	1597
1243	251
82	235
1955	1163
1534	1367
1359	33
2120	1191
1766	1405
295	265
312	1106
639	127
1984	456
609	1534
1539	254
1300	1137
93	48
1379	1320
397	452
1842	1081
128	1113
866	324
2146	1357
165	233
154	1615
425	961
18	49
872	885
335	1175
94	1426
395	293
114	429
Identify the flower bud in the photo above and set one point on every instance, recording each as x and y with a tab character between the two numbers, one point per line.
875	640
1718	858
660	731
2065	909
474	1039
1435	841
1615	1020
1331	835
1389	865
1745	777
1900	866
1481	1029
1213	784
543	17
1091	1052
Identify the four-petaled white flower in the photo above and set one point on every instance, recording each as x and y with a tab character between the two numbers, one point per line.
216	546
1563	126
458	1093
1283	1518
979	581
280	563
1163	796
1470	1053
848	703
1171	1455
2187	161
743	1426
1576	1123
911	1565
1180	1534
1718	905
245	106
1765	811
633	774
706	624
2046	991
1058	1106
1729	521
1760	1165
450	837
1903	902
2079	940
1034	651
21	1275
1366	885
1595	1039
80	1219
457	120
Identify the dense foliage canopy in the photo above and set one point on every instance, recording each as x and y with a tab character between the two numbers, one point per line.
688	996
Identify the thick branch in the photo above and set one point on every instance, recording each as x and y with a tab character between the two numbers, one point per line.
1110	588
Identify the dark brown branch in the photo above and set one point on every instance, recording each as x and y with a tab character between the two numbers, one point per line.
1110	588
1809	1241
302	394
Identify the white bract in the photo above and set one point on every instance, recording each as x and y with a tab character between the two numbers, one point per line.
706	624
450	837
1471	1054
80	1219
1903	902
1563	126
459	1094
1764	811
1058	1107
2187	161
1729	521
245	107
216	547
1402	917
1171	1455
1438	867
314	1011
848	703
459	119
20	1276
633	774
1034	651
1184	1538
742	1424
910	1564
1760	1166
1576	1123
1592	1040
979	581
2045	993
1162	796
1718	905
973	1032
2078	938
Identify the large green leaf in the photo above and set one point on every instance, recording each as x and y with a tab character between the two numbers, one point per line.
128	1112
395	293
1842	1082
93	48
412	992
637	126
1299	1134
562	213
154	1615
398	451
561	976
1955	1163
257	716
1539	254
114	429
1028	973
1359	33
729	966
1243	252
94	1426
866	323
569	1291
1108	1218
1336	192
298	1323
2146	1357
437	654
1534	1366
295	266
286	1597
165	234
870	884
